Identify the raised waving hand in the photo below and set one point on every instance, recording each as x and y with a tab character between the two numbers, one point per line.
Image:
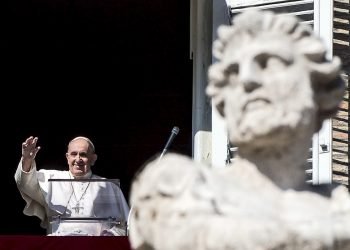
29	151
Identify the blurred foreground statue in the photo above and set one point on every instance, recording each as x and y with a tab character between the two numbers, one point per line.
274	87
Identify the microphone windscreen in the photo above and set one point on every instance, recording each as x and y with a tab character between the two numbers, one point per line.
175	130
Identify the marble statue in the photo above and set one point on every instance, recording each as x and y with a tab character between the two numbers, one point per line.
274	86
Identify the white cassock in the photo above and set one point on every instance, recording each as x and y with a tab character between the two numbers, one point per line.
70	199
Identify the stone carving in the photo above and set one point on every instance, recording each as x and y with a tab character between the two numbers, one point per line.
274	86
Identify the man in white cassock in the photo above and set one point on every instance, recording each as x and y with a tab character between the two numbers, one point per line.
59	197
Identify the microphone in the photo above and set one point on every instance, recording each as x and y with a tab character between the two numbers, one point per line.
173	134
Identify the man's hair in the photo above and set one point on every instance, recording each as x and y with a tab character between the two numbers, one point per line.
91	145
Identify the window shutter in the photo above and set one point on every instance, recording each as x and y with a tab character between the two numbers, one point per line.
304	9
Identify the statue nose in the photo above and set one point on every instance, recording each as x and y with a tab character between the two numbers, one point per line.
249	76
250	85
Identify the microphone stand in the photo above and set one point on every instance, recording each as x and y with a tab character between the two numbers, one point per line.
174	133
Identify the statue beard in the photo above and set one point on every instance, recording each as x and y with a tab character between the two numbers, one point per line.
271	126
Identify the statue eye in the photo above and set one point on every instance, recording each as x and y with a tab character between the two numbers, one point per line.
262	60
277	63
232	69
267	61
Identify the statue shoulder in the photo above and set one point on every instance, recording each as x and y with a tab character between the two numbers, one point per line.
168	176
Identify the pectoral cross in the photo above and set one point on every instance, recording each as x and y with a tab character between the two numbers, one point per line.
77	208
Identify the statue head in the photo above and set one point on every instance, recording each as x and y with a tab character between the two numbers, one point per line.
272	78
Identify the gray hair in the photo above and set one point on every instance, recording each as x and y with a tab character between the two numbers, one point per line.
91	145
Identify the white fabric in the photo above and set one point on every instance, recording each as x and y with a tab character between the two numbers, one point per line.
45	199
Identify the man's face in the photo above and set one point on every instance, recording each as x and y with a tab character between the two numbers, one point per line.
268	93
80	158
